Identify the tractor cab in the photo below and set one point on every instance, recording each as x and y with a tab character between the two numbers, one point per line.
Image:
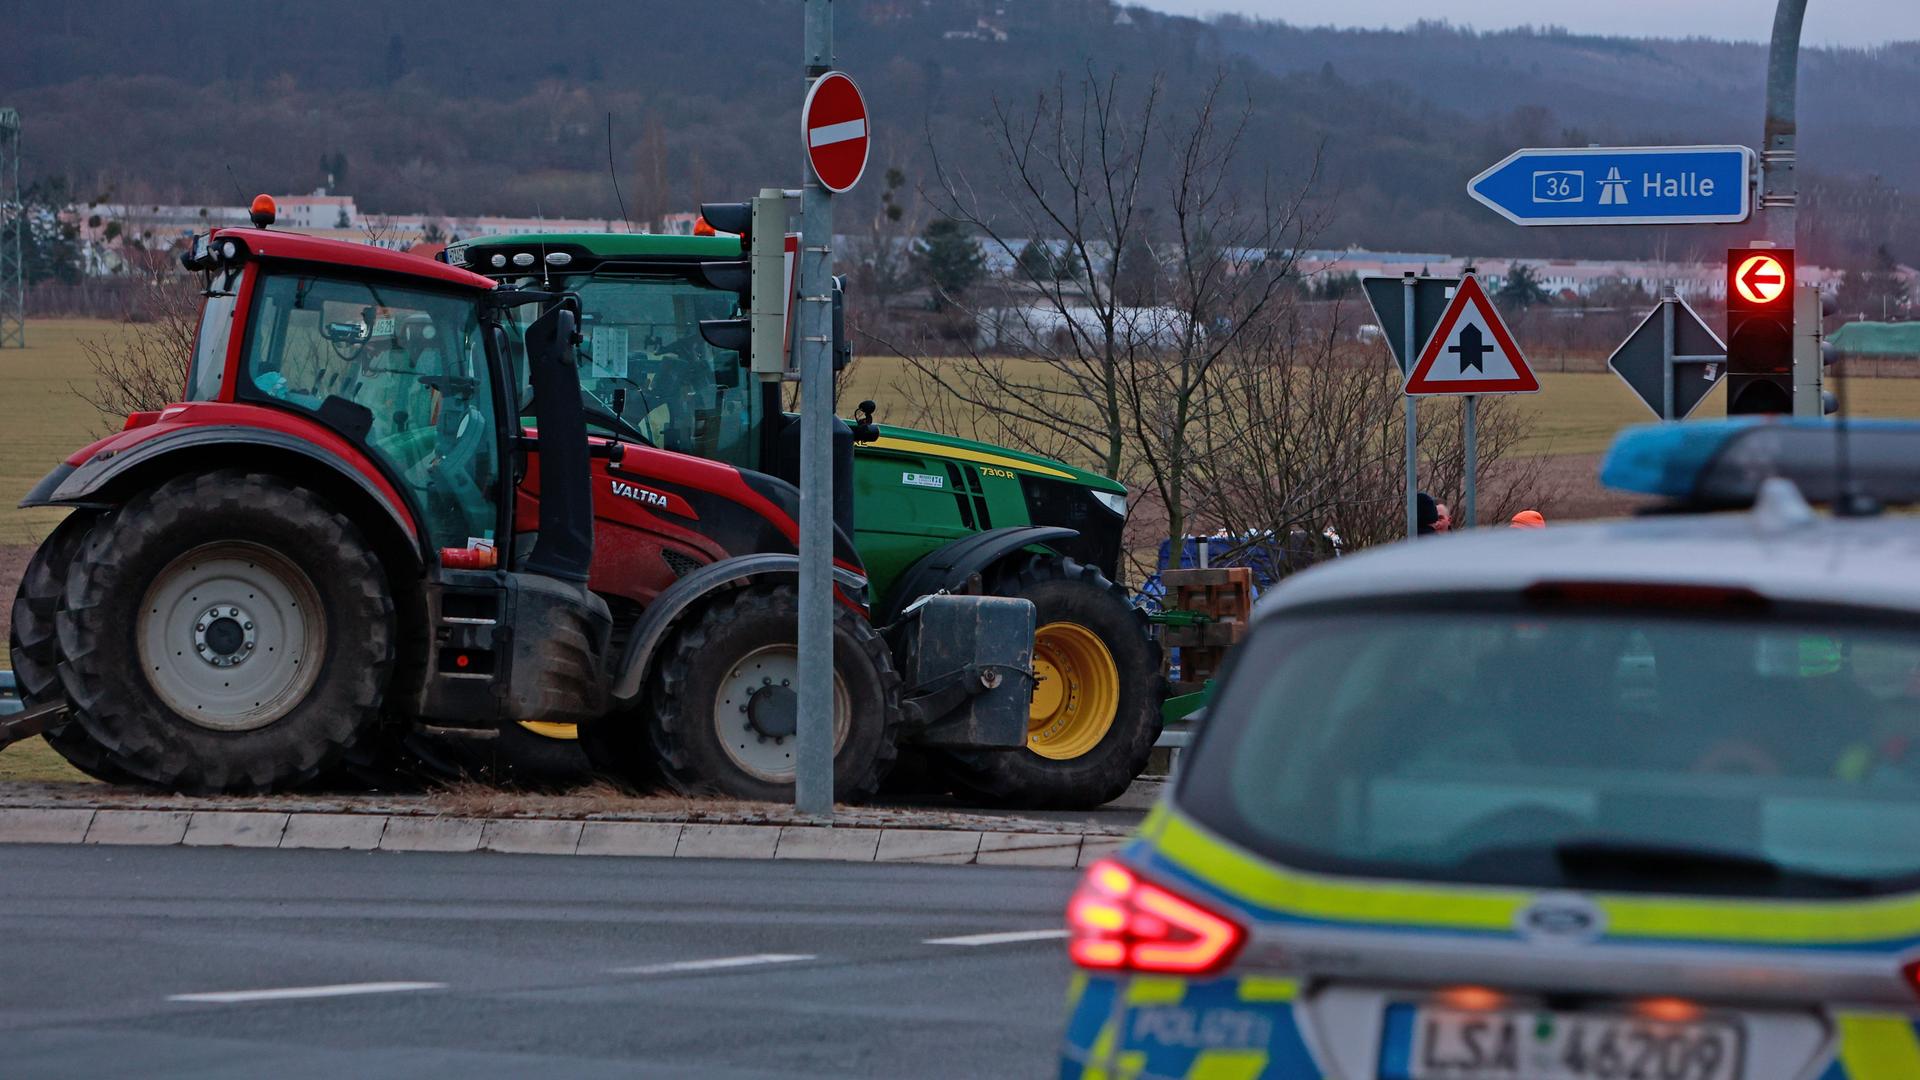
647	373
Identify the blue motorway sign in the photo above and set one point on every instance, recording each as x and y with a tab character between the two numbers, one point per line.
1620	185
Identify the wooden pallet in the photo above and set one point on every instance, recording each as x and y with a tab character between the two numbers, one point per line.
1225	596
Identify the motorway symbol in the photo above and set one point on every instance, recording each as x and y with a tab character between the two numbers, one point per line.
833	126
1695	354
1619	185
1471	351
1761	279
1388	297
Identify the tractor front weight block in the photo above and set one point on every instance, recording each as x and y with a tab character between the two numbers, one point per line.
968	664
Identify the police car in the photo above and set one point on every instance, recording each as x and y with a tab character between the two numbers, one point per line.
1635	800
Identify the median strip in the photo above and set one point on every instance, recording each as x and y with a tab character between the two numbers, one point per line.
874	835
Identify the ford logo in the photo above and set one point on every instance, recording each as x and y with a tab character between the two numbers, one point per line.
1566	918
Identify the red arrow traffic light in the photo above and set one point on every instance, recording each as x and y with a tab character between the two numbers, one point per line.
1759	331
1761	279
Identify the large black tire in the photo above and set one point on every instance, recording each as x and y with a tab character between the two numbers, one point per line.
253	544
34	645
1067	594
697	700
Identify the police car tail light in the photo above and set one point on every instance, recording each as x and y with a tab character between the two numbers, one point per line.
1910	974
1116	921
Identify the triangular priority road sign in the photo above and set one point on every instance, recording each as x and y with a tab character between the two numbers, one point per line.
1471	351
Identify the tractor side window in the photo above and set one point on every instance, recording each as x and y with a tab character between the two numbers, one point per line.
643	358
210	348
403	371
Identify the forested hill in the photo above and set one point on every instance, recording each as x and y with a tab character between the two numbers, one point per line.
468	106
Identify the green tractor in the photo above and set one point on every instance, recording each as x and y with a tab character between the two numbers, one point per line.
928	513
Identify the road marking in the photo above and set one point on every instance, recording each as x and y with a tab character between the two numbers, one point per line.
719	963
1004	938
292	993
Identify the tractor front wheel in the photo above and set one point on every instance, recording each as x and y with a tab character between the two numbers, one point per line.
1096	697
724	709
225	632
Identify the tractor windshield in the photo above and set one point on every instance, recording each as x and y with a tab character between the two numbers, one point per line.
643	361
403	371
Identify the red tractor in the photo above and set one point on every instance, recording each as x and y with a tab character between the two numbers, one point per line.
377	515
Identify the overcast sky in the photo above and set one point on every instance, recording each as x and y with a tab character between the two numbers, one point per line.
1829	22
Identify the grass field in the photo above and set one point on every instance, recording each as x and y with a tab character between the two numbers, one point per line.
42	420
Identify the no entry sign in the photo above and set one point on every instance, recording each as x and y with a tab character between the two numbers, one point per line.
833	125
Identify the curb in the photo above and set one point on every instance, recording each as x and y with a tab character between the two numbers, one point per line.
548	836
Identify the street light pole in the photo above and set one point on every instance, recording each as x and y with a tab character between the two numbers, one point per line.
813	331
1779	187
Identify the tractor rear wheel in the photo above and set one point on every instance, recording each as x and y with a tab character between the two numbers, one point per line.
225	632
1096	698
34	644
724	713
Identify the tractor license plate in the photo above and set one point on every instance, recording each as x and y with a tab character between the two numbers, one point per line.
1427	1042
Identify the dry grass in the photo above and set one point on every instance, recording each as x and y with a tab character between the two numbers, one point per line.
33	761
41	417
1574	413
599	797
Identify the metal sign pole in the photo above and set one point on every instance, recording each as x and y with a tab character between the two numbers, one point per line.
1470	435
1667	350
1409	348
813	328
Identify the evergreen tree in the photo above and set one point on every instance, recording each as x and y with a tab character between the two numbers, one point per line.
1037	262
1522	288
948	260
1136	281
49	235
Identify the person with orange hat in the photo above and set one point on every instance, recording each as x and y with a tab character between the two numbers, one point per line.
1528	519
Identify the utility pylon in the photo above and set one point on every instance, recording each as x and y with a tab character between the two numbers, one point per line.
13	228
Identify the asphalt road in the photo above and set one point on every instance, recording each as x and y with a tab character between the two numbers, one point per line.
160	962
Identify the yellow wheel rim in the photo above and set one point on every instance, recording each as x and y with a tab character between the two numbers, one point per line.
552	730
1076	692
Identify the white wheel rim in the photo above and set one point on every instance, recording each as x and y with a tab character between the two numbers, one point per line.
770	668
231	636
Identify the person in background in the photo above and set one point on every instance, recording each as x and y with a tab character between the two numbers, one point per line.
1528	519
1427	514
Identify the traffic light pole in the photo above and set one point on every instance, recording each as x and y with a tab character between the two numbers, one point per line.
1411	348
1779	188
813	339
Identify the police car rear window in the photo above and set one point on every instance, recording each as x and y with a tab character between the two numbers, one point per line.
1616	751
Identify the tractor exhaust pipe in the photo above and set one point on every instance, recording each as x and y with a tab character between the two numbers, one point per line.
565	547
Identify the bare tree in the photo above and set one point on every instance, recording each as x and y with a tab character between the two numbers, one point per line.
1302	437
144	366
879	250
1160	268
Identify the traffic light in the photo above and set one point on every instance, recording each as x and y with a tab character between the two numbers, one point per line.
762	279
1759	331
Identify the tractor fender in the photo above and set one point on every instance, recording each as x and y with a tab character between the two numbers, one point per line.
92	483
683	595
947	568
